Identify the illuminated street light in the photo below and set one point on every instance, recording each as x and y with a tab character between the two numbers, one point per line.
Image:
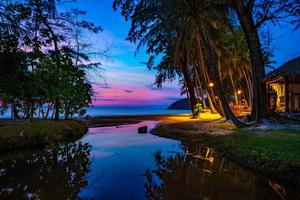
239	92
211	85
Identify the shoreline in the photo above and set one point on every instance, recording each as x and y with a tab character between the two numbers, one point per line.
131	119
17	135
103	121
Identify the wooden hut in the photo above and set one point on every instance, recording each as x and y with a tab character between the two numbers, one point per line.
283	87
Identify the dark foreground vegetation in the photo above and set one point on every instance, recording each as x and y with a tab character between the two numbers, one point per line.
43	60
43	72
21	134
274	153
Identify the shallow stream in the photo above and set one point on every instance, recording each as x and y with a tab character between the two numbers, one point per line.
118	163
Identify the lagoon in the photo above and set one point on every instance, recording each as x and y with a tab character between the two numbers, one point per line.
118	163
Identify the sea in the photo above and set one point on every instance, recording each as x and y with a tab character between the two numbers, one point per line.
105	111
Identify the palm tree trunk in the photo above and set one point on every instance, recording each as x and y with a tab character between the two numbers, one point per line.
200	58
233	87
244	13
220	89
190	87
219	63
249	86
198	82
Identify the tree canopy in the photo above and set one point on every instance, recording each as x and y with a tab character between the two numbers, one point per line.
207	43
43	59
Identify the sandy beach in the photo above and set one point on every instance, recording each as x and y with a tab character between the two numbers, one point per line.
131	119
171	125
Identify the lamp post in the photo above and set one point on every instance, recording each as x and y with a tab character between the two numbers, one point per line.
211	85
239	92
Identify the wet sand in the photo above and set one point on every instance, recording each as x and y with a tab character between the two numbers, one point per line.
132	119
176	125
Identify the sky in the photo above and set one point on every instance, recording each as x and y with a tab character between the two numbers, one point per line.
124	80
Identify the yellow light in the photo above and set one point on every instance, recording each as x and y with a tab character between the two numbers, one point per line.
209	116
239	92
211	85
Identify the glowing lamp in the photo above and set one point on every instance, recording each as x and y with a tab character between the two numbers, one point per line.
211	85
239	92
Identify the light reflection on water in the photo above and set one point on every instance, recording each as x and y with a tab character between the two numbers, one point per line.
118	163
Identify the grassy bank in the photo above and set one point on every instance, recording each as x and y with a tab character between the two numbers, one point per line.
19	134
275	153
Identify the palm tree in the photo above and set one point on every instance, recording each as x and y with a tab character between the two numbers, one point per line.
209	21
173	28
235	59
252	14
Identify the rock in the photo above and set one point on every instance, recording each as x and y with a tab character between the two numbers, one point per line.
143	130
182	104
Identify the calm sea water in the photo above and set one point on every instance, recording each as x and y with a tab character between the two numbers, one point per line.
118	163
131	110
122	110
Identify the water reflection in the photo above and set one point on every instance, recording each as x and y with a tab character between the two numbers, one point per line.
200	174
54	173
112	166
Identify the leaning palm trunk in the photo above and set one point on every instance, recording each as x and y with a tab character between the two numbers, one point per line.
220	89
249	86
259	108
233	87
215	107
212	103
199	88
190	87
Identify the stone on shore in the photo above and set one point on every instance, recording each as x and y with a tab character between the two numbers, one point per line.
143	130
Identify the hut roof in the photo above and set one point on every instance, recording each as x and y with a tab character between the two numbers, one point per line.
289	68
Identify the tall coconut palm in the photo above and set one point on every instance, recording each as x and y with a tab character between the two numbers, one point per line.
235	61
208	22
252	14
172	27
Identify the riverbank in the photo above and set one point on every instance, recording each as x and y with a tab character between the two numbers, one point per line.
133	119
274	153
20	134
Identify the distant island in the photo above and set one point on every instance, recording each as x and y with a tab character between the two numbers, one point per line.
181	104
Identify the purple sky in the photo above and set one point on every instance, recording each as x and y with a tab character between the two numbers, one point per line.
125	80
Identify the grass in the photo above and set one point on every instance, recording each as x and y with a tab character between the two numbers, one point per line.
19	134
275	153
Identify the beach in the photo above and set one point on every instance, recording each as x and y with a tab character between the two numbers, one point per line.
167	122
